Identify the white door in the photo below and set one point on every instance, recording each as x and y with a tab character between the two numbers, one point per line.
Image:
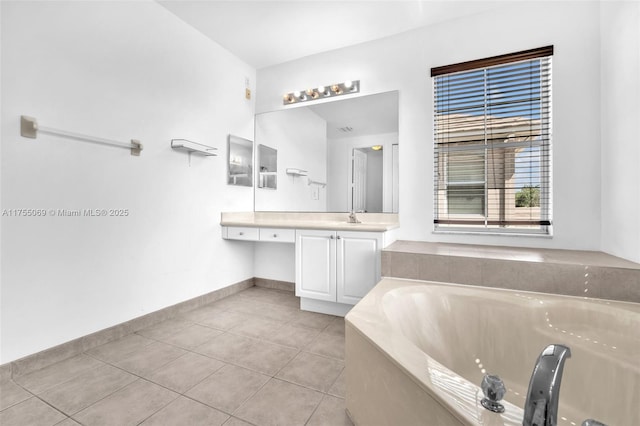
358	264
359	181
316	265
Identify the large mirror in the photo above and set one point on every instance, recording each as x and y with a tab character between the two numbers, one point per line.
239	161
333	156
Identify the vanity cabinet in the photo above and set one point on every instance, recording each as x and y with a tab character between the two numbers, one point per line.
274	235
337	266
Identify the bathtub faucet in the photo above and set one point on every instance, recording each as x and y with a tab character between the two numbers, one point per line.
353	218
541	407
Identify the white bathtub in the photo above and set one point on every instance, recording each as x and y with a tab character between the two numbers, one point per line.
416	353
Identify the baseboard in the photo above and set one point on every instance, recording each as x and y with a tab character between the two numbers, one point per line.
274	284
77	346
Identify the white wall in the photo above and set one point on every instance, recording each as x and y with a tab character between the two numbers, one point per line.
403	62
620	127
117	70
340	169
300	136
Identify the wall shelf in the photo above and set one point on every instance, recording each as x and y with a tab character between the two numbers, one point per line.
297	172
193	147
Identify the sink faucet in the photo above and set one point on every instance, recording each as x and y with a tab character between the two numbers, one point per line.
353	218
541	406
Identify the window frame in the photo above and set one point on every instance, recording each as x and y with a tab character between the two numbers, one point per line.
543	226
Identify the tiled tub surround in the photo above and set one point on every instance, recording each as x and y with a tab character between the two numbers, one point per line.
568	272
373	222
431	343
252	358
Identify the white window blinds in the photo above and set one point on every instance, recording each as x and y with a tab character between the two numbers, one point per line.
492	144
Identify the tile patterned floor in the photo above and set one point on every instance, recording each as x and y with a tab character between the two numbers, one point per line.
253	358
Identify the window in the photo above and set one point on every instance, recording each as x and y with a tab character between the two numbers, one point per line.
492	144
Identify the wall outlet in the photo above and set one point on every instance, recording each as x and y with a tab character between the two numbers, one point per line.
247	94
315	193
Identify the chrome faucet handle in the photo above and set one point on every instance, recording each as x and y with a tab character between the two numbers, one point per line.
494	390
591	422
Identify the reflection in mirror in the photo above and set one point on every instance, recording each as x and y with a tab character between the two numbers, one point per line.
267	167
326	140
239	161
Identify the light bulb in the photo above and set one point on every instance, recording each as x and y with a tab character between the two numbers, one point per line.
321	89
348	84
310	92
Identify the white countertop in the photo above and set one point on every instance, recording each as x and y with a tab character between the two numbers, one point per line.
371	222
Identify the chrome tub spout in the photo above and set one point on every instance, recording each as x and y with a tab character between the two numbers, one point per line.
541	406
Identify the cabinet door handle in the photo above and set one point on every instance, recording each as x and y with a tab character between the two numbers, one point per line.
338	237
331	237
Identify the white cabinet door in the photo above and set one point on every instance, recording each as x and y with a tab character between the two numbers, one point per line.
316	265
358	264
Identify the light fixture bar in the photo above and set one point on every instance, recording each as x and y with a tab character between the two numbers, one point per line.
321	92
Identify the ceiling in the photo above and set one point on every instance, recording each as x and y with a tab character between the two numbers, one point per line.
264	33
365	115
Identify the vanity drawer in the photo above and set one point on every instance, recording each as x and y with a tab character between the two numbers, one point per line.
278	235
242	233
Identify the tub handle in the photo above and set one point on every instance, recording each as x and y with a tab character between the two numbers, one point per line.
494	390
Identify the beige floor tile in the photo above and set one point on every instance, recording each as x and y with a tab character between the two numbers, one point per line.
68	422
187	412
257	327
279	312
185	372
312	320
280	403
87	388
295	337
233	302
120	349
31	412
267	358
201	314
164	329
339	387
11	394
192	336
225	320
234	421
312	371
149	358
128	406
226	347
48	377
228	388
327	344
272	296
336	327
330	412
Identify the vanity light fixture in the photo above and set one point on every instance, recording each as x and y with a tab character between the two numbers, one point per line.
321	92
376	147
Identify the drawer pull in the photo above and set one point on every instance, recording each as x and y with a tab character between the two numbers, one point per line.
240	233
275	235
